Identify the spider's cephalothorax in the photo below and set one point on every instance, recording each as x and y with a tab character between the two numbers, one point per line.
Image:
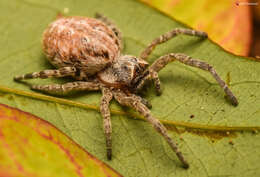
89	50
125	72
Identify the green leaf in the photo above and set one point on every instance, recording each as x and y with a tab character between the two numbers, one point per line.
33	147
137	149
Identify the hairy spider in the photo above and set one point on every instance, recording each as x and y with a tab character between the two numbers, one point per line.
89	50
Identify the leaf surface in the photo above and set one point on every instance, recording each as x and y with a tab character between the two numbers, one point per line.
33	147
137	149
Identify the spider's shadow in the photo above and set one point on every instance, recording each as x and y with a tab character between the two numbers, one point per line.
43	61
182	80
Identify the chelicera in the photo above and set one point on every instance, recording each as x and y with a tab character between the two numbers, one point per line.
89	50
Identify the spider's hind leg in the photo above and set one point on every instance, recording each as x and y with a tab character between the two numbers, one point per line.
61	72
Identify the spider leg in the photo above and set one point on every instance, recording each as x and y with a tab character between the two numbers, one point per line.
164	60
151	76
143	101
105	112
167	36
140	85
136	104
65	88
61	72
157	83
113	27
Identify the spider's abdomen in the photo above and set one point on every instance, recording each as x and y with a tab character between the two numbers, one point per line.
86	43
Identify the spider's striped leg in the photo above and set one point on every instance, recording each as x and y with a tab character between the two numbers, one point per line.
105	112
157	83
164	60
151	76
61	72
113	27
143	101
136	104
140	85
167	36
65	88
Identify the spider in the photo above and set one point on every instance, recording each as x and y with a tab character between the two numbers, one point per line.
89	50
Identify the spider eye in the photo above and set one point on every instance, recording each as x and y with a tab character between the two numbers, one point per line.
137	70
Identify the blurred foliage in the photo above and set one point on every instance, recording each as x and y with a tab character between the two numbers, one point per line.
255	50
228	22
256	9
32	147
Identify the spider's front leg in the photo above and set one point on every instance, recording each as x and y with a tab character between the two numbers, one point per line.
169	35
61	72
135	103
143	101
164	60
151	76
105	112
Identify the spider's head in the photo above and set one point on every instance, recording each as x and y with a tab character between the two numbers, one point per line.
129	69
